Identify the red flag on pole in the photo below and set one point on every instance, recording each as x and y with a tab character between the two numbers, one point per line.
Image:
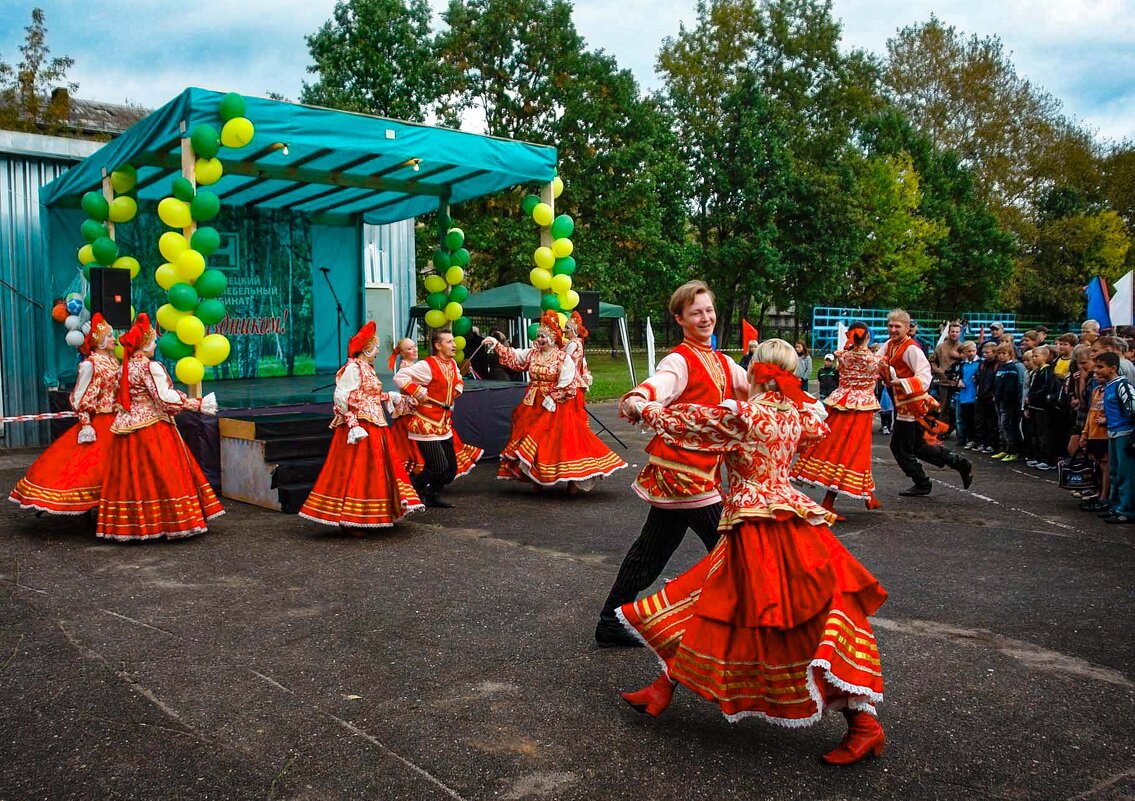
748	334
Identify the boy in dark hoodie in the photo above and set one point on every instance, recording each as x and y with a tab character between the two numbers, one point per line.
985	410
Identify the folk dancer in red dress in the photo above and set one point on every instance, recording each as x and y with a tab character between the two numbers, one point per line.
550	445
404	449
435	384
67	478
152	486
841	462
680	485
773	622
362	484
906	371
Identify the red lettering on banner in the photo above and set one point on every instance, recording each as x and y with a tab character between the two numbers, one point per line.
258	326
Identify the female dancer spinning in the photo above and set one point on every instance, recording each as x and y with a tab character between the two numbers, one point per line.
773	622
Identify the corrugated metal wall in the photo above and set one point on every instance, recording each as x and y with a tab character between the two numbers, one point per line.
24	301
390	259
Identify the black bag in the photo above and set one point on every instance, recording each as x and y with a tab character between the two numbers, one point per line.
1076	473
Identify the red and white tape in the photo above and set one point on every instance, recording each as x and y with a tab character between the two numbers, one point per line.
32	418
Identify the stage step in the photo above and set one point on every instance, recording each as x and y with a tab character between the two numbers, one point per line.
273	460
275	426
297	471
292	496
310	447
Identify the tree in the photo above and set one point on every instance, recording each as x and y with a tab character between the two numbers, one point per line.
376	57
30	97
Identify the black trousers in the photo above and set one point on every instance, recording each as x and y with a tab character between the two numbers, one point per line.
907	446
441	465
661	535
985	420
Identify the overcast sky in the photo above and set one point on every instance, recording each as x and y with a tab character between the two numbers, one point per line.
147	51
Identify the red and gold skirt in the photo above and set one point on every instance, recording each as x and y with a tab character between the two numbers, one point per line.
467	455
550	448
67	477
361	485
153	487
841	461
404	450
771	623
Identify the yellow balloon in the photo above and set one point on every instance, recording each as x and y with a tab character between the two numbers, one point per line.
190	265
123	180
541	279
213	350
190	330
561	284
128	263
459	356
174	212
166	276
86	254
435	318
237	132
169	317
459	342
435	283
452	310
119	352
133	314
542	214
172	244
569	300
208	171
562	318
544	258
189	370
557	186
562	248
454	276
123	209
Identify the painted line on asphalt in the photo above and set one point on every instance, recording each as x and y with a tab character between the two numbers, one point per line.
1010	508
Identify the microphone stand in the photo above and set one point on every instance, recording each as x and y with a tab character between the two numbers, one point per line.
340	319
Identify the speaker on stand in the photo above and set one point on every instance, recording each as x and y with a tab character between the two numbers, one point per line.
110	295
588	309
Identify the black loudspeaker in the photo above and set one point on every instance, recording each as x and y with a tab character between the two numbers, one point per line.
588	309
110	294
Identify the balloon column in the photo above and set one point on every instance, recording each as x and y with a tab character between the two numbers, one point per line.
192	289
114	205
555	265
447	290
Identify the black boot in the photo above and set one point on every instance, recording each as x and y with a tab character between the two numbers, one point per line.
916	491
964	467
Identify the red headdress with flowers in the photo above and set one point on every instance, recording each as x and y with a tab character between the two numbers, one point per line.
577	322
140	335
99	329
363	340
550	325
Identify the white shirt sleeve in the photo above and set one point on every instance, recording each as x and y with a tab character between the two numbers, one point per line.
740	380
82	382
166	392
919	365
347	382
417	373
667	383
567	371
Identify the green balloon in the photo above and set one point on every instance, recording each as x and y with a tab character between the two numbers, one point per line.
92	230
550	302
210	311
441	261
205	140
105	250
436	300
458	294
562	226
182	297
232	105
454	238
461	326
210	283
564	266
173	348
204	206
533	330
205	240
460	257
182	188
95	205
530	202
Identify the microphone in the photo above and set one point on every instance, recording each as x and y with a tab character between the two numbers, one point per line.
325	269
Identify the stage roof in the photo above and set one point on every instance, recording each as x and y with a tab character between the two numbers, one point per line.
515	300
338	162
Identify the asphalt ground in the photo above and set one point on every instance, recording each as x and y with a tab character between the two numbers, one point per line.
452	657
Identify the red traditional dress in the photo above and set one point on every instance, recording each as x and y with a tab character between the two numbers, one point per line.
675	477
362	484
772	622
550	445
153	487
67	478
841	461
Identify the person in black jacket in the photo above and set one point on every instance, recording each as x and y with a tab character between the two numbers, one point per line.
985	410
1041	389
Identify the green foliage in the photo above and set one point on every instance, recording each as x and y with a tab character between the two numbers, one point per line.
30	96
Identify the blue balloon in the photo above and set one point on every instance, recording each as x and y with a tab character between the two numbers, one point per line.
74	306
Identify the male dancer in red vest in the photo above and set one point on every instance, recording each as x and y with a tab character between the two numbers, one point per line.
680	485
435	383
906	371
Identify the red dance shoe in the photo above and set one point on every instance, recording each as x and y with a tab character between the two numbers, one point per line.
864	736
873	502
653	698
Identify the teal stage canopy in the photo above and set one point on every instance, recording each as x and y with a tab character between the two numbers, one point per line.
337	162
515	300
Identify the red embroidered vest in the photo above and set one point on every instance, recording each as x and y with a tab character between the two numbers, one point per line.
430	419
893	357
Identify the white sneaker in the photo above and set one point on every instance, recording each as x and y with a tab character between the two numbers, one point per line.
1031	463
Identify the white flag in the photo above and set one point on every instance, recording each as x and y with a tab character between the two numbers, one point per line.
942	335
840	336
1121	300
649	349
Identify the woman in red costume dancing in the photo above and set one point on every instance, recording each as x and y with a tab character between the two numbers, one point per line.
841	461
67	478
362	484
772	623
549	444
152	486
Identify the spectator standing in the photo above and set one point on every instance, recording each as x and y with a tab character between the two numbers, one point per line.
749	351
803	364
967	396
1089	332
946	354
1041	390
828	376
1009	396
996	331
1119	411
985	409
